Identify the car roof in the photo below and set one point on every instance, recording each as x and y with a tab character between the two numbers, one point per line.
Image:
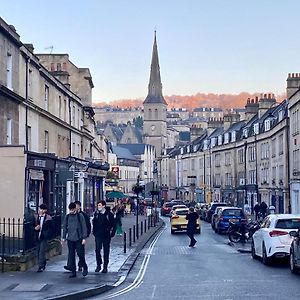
181	209
230	207
181	205
284	216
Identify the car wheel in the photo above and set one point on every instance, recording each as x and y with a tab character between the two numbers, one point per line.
172	231
293	267
265	258
253	254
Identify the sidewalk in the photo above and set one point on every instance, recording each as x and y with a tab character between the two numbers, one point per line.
54	282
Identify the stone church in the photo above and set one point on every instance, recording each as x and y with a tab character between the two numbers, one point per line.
155	108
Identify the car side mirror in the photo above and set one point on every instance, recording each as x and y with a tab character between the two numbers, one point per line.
293	233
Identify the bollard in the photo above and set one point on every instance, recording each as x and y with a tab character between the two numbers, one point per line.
141	228
124	236
130	237
149	222
133	233
145	225
3	251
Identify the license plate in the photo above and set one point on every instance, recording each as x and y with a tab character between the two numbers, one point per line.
183	227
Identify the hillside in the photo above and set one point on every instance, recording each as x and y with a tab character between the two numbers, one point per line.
190	102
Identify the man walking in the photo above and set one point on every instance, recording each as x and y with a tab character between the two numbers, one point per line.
192	218
43	228
88	228
75	231
104	228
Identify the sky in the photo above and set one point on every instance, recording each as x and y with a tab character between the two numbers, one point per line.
212	46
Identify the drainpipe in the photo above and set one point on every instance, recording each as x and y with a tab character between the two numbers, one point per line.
245	170
288	165
26	100
70	118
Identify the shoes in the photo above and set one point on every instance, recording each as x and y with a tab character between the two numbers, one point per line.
193	244
80	269
73	275
40	269
104	270
98	269
67	268
85	272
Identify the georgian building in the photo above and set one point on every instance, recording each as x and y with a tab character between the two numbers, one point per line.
48	144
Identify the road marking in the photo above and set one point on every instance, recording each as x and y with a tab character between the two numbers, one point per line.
139	278
153	292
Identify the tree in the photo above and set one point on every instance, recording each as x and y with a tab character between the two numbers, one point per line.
138	122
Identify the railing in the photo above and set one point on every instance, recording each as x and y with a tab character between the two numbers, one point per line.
18	235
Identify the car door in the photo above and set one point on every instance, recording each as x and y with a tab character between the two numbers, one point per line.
297	247
259	236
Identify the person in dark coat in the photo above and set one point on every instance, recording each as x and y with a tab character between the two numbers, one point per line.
192	218
104	228
256	209
75	231
44	229
263	209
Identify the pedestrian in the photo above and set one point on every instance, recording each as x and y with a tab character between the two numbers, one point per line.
88	228
256	209
263	209
75	231
104	228
247	209
192	218
119	214
44	229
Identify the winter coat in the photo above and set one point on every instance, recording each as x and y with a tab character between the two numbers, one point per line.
104	224
74	228
192	221
47	228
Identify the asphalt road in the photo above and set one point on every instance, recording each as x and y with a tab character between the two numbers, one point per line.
169	269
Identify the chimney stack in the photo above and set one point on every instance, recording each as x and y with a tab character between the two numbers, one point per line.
265	103
293	84
251	108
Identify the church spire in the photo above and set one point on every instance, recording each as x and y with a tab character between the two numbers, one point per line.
155	86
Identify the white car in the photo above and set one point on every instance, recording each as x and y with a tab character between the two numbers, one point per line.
272	240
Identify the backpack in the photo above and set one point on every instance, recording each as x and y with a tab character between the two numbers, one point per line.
88	223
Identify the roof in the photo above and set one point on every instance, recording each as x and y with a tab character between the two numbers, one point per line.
123	153
135	149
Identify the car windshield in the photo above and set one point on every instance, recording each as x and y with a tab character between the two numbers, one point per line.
214	206
178	206
168	204
233	212
181	212
288	224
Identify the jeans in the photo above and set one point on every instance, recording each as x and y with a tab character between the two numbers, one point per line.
105	243
190	234
78	247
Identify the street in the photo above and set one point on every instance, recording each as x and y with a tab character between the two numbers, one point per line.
169	269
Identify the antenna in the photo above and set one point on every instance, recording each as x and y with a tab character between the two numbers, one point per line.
50	47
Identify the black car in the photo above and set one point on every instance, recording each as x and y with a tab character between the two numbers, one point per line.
295	251
212	209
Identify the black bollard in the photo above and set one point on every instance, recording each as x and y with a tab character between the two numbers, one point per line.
130	237
124	236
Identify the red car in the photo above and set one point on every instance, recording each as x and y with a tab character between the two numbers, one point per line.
166	209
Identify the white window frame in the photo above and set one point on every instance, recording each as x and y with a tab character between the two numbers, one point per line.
9	79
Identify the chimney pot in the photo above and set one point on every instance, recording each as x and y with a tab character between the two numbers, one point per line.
256	99
265	95
289	76
293	75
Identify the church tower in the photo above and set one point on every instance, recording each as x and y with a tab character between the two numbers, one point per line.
155	108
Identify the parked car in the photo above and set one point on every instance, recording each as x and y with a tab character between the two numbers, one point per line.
295	251
166	209
179	221
212	209
214	217
226	215
273	240
174	207
202	207
177	202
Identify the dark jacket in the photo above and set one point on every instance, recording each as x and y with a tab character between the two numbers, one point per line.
74	228
104	225
192	221
87	222
47	228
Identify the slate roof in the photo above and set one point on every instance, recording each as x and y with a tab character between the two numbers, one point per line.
123	153
135	149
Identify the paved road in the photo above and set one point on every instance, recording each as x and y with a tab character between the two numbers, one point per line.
211	270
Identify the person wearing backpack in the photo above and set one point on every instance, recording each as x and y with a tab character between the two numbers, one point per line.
104	228
75	232
88	227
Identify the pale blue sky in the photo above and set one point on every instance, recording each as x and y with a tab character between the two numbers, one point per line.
219	46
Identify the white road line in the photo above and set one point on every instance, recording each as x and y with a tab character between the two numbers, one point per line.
153	292
139	278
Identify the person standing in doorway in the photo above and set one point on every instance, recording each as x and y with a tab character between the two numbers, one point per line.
192	218
256	209
104	228
75	231
44	229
